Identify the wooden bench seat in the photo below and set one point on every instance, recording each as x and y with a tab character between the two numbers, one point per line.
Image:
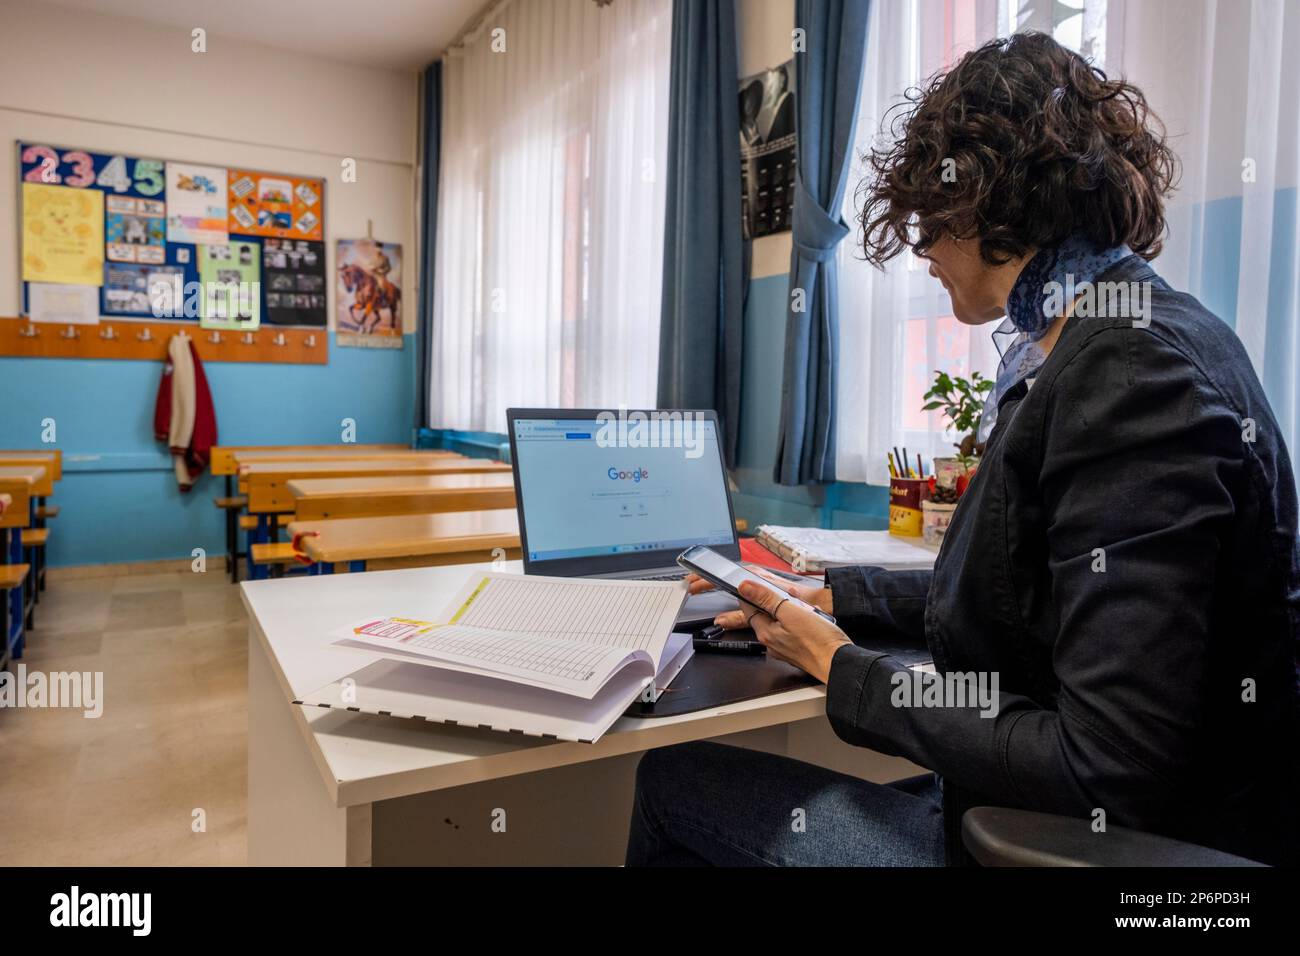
249	522
35	537
46	512
280	552
13	575
231	501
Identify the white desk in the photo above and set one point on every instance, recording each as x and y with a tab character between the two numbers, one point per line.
328	787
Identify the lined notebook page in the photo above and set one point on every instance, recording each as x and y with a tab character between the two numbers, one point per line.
606	613
564	634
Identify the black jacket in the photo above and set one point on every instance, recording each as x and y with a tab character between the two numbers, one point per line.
1127	689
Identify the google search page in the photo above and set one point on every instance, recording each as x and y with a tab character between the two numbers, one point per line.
583	497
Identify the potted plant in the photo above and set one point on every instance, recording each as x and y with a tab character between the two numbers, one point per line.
962	402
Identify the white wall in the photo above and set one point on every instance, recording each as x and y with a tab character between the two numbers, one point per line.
108	84
764	41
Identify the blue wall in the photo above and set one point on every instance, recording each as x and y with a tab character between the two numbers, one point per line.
118	499
760	500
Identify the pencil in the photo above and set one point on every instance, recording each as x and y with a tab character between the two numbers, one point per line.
920	469
905	464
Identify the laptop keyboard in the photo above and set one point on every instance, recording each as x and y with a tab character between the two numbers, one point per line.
671	576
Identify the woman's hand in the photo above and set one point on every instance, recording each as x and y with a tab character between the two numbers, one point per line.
818	597
792	633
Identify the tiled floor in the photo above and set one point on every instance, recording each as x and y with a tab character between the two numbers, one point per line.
173	738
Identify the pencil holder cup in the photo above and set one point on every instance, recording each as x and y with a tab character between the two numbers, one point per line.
905	497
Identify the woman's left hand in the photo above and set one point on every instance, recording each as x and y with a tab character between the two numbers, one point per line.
792	633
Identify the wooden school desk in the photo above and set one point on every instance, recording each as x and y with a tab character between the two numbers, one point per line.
462	537
223	456
40	475
318	498
50	459
243	458
23	484
267	483
331	787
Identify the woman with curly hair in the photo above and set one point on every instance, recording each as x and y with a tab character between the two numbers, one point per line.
1119	589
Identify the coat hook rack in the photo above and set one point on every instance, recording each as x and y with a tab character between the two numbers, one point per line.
114	338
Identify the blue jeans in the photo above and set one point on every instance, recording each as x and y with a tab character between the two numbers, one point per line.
703	804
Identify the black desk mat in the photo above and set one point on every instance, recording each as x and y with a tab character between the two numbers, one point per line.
711	679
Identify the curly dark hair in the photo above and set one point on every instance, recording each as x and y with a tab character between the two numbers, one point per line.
1019	145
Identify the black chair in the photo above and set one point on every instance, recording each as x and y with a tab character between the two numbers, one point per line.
998	836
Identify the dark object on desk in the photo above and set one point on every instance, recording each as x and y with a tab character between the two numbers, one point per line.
997	836
716	640
712	680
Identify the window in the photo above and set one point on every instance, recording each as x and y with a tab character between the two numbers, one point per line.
896	326
551	207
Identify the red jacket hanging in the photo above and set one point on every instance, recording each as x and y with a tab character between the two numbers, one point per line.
183	413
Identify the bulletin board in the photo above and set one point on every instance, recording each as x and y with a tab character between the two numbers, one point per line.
142	239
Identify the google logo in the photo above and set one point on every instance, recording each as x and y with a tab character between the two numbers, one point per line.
636	474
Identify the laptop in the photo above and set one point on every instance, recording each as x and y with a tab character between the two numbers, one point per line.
618	493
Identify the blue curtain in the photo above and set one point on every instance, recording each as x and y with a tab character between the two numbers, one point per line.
431	129
828	80
700	332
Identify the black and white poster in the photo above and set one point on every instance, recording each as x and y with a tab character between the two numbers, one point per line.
768	150
293	272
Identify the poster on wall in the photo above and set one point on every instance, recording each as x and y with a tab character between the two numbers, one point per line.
293	278
369	294
196	203
280	207
63	234
135	230
768	150
65	304
132	289
230	274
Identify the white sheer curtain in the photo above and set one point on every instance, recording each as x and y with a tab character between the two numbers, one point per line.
1225	78
551	205
896	325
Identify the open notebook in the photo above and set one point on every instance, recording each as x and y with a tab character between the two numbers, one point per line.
550	657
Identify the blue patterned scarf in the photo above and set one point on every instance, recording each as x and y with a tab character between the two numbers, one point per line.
1030	311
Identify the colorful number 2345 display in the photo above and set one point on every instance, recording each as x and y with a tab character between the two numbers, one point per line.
82	170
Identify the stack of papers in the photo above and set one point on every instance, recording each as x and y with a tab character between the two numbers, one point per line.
816	549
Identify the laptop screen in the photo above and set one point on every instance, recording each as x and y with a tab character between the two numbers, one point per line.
597	496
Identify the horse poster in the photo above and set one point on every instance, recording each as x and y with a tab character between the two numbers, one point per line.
369	294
